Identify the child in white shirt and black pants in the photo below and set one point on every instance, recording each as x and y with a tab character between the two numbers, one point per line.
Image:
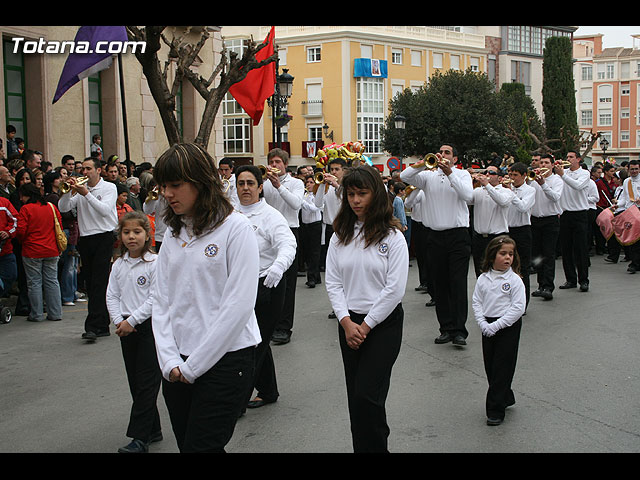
129	301
499	301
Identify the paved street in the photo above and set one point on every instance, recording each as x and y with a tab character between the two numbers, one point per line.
577	382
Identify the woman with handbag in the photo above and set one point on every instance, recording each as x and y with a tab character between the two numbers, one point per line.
40	250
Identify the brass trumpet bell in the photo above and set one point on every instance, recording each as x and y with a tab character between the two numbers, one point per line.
532	174
153	194
65	187
318	177
264	170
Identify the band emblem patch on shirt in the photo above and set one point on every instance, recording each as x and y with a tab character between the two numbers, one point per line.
211	250
141	280
383	248
506	287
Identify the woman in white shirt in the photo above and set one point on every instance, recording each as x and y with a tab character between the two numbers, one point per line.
277	247
366	277
203	319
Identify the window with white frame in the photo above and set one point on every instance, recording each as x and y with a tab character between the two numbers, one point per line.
370	108
366	51
587	72
605	117
455	62
236	127
624	135
236	45
437	60
586	118
606	71
314	54
605	93
586	95
396	56
416	58
474	64
315	133
625	89
625	112
625	70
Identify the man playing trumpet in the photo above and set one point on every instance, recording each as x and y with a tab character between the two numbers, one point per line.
445	214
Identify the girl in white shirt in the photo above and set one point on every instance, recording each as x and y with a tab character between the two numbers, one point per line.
129	301
203	318
499	302
366	277
277	246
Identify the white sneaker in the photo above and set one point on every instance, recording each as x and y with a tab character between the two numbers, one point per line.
68	304
81	300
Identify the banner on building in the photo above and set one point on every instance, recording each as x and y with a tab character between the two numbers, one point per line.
369	67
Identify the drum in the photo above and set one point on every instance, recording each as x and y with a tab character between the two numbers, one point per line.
604	220
626	226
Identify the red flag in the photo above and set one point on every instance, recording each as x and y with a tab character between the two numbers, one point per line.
258	85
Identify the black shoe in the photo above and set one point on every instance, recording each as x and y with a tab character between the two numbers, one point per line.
280	337
537	293
567	285
136	446
259	403
546	294
610	260
155	437
422	288
430	303
584	287
103	333
444	338
54	319
91	336
631	269
494	421
310	284
332	315
459	341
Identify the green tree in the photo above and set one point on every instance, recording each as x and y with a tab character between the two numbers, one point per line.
558	95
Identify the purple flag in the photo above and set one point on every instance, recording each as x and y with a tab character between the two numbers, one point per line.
82	65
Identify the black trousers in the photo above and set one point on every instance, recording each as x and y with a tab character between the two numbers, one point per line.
203	414
328	231
544	238
368	377
291	280
522	237
269	303
144	377
448	253
95	255
575	255
595	235
479	242
419	237
500	354
310	238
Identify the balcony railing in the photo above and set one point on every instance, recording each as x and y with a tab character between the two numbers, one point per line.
312	108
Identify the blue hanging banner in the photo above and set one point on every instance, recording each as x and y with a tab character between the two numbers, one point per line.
369	67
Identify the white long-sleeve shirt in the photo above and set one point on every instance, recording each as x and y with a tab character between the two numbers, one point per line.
413	202
521	205
446	197
499	295
330	201
97	211
370	280
157	209
547	202
593	196
625	200
287	199
575	191
490	209
276	243
130	288
309	211
206	287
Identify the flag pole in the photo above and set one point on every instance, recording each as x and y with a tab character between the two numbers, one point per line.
124	109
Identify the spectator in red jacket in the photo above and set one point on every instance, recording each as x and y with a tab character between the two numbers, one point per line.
36	232
8	229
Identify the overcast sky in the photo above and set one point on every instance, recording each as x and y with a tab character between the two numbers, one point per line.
614	35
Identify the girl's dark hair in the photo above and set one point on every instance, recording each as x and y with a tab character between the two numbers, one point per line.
143	220
255	171
492	250
379	215
22	173
30	190
48	180
189	162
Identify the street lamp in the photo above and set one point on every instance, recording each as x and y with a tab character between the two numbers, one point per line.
325	129
401	124
604	144
279	101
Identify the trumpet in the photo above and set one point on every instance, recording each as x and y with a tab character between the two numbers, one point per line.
65	187
532	174
226	184
564	163
152	195
407	191
318	178
264	170
430	162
